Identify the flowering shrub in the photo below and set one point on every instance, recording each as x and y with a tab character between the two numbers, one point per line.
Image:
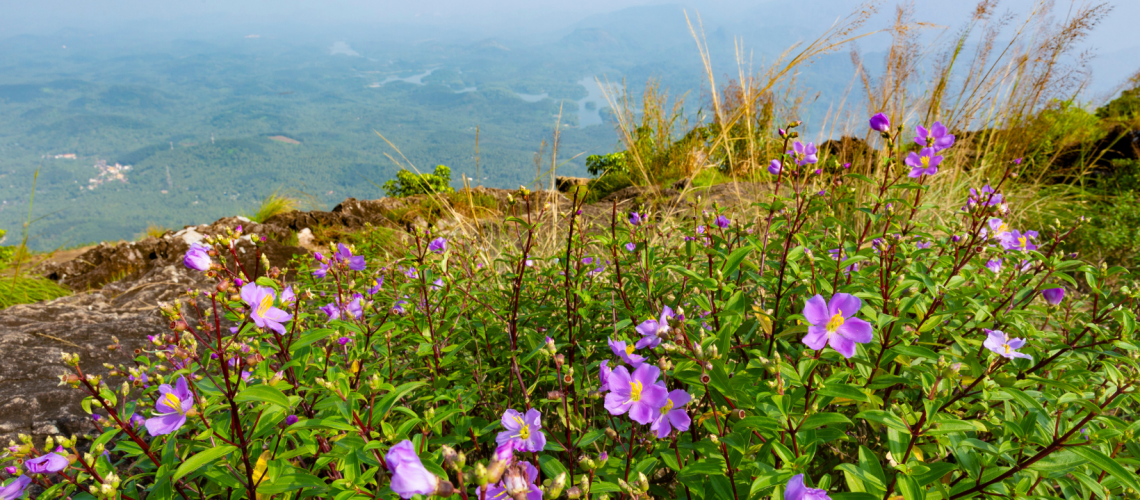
815	345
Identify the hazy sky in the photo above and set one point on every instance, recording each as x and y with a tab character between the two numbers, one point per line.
1114	42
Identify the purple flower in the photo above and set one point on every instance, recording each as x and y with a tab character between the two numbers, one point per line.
171	408
997	341
880	122
994	265
409	477
438	245
48	463
637	394
14	489
935	138
524	432
260	301
722	222
344	254
377	284
519	477
1018	241
775	167
291	419
287	295
833	323
353	309
803	153
343	341
437	284
701	229
411	273
922	245
137	420
924	162
987	196
625	352
672	415
635	219
1053	296
322	271
197	257
652	331
631	246
998	229
604	375
796	490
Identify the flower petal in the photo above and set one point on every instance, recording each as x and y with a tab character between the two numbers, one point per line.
857	330
815	311
816	337
842	345
845	304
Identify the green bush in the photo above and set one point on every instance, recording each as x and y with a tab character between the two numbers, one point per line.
407	183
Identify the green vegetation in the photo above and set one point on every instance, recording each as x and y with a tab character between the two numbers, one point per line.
407	183
26	289
273	204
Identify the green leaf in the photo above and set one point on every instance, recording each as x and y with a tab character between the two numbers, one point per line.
201	459
1108	465
843	391
263	393
887	419
821	419
736	258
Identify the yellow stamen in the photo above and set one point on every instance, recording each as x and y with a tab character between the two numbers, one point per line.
668	406
265	304
629	349
1021	240
925	161
524	430
635	391
1006	348
1002	228
835	322
172	401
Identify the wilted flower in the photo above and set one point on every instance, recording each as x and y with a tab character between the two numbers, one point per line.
652	331
409	477
880	122
398	307
48	463
172	405
438	245
997	341
519	478
344	254
14	489
263	314
775	167
638	394
524	432
197	257
625	352
924	162
833	323
796	490
804	154
1053	296
935	138
672	415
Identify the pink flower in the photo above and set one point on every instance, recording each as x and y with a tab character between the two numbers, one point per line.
652	331
833	323
48	463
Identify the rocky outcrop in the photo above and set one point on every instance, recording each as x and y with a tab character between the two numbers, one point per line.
33	336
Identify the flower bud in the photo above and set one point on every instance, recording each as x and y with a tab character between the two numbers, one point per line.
556	487
515	482
574	493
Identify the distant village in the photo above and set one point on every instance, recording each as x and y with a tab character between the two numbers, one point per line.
108	173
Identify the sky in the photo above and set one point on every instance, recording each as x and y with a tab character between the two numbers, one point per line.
1116	48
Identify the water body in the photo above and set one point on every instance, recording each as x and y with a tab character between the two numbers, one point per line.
532	97
596	95
342	48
